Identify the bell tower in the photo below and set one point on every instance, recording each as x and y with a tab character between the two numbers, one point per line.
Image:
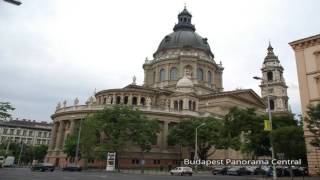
273	83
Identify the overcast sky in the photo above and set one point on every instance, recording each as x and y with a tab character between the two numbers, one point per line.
62	49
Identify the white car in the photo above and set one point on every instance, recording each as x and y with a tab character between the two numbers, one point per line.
181	171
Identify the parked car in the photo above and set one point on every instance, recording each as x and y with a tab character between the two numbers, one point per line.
262	170
1	161
43	167
181	171
220	170
72	167
8	162
239	171
251	169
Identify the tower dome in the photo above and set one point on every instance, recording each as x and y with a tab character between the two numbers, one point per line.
184	84
184	36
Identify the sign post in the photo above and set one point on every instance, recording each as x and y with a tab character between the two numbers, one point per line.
111	161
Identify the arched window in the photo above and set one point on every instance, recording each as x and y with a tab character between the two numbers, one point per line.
142	101
162	74
180	105
118	100
134	101
270	76
175	104
271	104
194	106
126	98
209	77
173	73
200	74
154	77
190	105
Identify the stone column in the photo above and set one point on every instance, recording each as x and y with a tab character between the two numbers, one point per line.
139	100
114	99
165	135
185	104
130	100
121	99
72	124
60	136
53	136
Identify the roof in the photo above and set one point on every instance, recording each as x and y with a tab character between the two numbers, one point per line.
27	124
310	38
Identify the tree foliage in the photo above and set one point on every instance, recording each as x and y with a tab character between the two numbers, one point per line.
313	123
70	146
209	135
5	107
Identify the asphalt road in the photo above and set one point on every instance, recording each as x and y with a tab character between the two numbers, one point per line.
26	174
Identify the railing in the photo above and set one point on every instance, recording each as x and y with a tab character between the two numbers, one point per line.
142	108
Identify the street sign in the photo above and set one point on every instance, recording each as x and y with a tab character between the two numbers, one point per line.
111	161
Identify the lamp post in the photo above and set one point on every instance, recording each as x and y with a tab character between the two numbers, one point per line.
78	141
196	145
270	121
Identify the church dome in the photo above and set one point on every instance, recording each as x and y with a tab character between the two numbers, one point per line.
184	82
184	36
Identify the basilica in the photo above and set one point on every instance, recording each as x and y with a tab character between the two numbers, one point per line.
182	80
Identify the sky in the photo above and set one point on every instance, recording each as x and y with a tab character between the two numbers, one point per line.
57	50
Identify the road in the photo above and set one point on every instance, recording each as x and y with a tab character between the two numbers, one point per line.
26	174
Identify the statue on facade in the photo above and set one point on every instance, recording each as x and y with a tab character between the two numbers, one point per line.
134	80
76	102
58	106
148	102
64	103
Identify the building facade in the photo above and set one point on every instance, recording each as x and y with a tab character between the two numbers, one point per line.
307	53
25	131
273	83
182	80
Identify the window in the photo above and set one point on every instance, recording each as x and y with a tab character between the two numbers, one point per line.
39	134
11	131
156	161
135	161
5	131
190	105
134	101
24	132
30	133
118	99
126	100
209	77
45	134
18	132
271	104
200	74
162	74
38	141
154	77
180	105
270	76
142	101
173	73
175	104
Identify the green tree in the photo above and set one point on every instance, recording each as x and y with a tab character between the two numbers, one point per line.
209	136
290	141
313	123
90	136
143	134
70	147
39	152
5	107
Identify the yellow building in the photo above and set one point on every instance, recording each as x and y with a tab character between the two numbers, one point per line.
307	52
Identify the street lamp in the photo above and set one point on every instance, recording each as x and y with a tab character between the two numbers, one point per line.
15	2
196	144
270	121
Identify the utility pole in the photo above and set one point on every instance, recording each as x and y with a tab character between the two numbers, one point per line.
20	153
274	172
196	146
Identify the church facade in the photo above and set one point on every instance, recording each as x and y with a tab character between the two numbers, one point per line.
182	80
